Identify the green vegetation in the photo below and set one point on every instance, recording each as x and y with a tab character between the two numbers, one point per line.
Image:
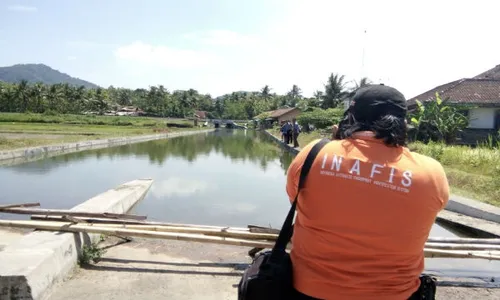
472	172
320	118
80	120
90	253
437	121
28	130
65	98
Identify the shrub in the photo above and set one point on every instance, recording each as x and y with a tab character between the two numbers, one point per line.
321	118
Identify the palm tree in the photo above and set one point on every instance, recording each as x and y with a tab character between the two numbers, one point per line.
334	91
364	81
265	92
21	93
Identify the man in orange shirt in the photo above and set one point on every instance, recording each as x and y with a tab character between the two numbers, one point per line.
367	206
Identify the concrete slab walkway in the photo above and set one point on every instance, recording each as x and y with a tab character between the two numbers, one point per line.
156	269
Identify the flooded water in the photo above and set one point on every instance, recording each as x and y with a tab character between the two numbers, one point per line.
228	177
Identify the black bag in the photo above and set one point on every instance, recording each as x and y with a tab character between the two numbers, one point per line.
426	290
270	276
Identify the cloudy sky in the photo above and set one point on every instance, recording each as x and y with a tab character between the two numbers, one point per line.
219	46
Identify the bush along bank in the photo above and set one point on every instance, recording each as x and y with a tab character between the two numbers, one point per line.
472	172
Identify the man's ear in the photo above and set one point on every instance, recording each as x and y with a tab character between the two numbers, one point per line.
335	128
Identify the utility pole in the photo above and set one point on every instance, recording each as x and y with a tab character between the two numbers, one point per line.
362	73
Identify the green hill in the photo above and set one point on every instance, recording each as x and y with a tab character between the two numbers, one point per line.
34	73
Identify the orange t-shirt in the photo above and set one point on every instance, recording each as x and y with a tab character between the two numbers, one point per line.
363	217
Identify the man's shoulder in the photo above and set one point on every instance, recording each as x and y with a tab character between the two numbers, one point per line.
304	151
427	162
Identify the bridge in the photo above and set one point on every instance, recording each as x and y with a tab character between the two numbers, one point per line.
229	123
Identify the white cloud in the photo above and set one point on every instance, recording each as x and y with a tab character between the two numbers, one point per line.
22	8
179	187
71	57
223	38
411	46
165	56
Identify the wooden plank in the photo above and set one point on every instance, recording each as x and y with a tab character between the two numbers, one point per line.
19	205
463	240
62	212
251	229
134	222
260	229
68	227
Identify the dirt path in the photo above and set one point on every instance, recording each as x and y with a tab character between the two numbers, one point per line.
154	269
31	135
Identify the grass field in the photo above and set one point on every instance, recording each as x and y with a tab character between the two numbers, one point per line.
471	172
29	130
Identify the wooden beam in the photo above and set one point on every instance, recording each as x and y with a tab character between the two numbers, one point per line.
62	212
251	229
133	222
68	227
19	205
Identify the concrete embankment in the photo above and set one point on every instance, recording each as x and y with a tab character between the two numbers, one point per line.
468	207
17	156
477	227
30	265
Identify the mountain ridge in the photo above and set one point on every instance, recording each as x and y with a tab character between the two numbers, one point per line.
39	72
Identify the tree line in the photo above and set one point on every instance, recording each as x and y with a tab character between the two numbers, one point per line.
158	101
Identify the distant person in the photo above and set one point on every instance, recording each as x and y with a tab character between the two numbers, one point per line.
283	130
295	133
286	132
289	130
367	207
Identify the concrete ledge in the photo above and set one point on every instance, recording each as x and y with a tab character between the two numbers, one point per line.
282	144
32	264
461	205
473	208
17	156
478	227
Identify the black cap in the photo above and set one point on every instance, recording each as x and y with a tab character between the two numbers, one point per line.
371	102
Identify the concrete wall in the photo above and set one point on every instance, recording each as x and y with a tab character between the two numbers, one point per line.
35	153
32	264
473	208
482	118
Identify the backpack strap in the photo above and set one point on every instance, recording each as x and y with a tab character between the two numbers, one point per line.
287	229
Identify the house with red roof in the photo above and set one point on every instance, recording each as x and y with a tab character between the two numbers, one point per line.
200	114
269	118
481	97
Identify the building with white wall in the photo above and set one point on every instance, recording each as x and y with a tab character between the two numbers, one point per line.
481	97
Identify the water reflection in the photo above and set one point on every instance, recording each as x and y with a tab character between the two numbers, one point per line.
231	177
236	145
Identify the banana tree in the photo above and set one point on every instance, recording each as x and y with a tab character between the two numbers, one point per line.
438	121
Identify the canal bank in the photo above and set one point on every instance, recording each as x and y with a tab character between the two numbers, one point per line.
11	157
460	205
